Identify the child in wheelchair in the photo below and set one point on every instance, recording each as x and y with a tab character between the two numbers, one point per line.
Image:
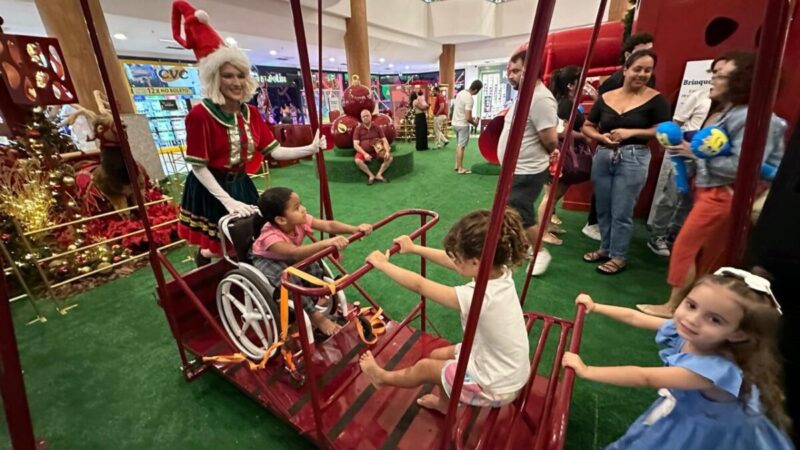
279	234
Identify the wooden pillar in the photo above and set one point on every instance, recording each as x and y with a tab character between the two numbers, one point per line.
617	10
447	67
63	20
356	41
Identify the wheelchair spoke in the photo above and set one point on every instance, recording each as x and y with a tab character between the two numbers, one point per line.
242	309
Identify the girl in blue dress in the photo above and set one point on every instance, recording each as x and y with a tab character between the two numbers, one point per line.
721	385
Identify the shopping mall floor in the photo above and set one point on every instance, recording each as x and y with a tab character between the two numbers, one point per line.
106	375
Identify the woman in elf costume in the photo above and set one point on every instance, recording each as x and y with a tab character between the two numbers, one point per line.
225	137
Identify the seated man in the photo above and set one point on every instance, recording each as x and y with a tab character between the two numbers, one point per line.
370	142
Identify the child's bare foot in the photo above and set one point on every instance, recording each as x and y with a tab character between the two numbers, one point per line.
371	369
434	402
321	322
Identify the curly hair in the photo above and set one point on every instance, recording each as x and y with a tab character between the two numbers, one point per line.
465	239
758	355
741	79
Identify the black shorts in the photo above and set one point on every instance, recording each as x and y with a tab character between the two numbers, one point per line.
525	189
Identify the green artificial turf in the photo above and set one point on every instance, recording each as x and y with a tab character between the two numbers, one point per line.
106	375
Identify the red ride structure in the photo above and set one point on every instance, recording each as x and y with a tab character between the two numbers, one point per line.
336	407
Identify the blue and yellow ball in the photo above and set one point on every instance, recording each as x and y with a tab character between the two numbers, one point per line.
710	142
669	133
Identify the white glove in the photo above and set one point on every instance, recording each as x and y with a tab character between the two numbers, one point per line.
284	153
238	208
206	178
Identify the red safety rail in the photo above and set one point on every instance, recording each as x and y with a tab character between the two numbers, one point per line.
326	206
540	27
12	386
767	73
551	197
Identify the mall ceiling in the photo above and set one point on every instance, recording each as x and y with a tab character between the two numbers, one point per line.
405	35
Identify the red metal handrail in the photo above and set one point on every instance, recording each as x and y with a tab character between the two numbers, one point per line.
361	271
540	27
559	433
12	386
551	198
308	86
763	90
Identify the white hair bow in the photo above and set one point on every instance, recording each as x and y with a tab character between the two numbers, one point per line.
754	282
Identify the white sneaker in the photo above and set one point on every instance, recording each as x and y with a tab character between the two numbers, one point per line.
592	231
658	245
543	259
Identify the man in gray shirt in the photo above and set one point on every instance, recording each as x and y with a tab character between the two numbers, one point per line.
538	142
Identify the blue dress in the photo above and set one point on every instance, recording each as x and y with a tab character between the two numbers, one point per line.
687	420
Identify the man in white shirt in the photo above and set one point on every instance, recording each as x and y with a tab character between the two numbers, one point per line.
669	208
462	119
538	142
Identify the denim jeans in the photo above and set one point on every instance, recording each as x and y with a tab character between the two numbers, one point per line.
618	176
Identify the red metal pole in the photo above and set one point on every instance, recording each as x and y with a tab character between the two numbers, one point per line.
762	100
12	386
311	377
308	86
551	200
130	163
541	25
423	240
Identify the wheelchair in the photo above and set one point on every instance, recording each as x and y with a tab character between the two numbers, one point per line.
246	299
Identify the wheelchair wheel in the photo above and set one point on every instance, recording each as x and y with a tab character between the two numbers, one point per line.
248	312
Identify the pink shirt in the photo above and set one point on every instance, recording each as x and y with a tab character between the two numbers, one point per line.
270	234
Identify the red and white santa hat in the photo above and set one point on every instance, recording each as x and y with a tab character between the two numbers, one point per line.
190	28
209	48
199	37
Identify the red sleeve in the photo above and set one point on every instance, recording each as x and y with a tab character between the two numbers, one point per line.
357	133
198	137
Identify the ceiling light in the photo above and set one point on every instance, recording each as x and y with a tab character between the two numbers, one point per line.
273	52
407	67
231	41
382	60
120	36
332	59
497	1
168	41
390	65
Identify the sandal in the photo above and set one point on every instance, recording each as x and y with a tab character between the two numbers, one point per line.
595	256
464	172
611	267
555	220
369	328
370	182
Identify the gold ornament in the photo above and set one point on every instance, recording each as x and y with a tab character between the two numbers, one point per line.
84	269
72	247
25	195
68	181
105	268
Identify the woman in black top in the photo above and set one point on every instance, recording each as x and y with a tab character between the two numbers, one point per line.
622	121
564	86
